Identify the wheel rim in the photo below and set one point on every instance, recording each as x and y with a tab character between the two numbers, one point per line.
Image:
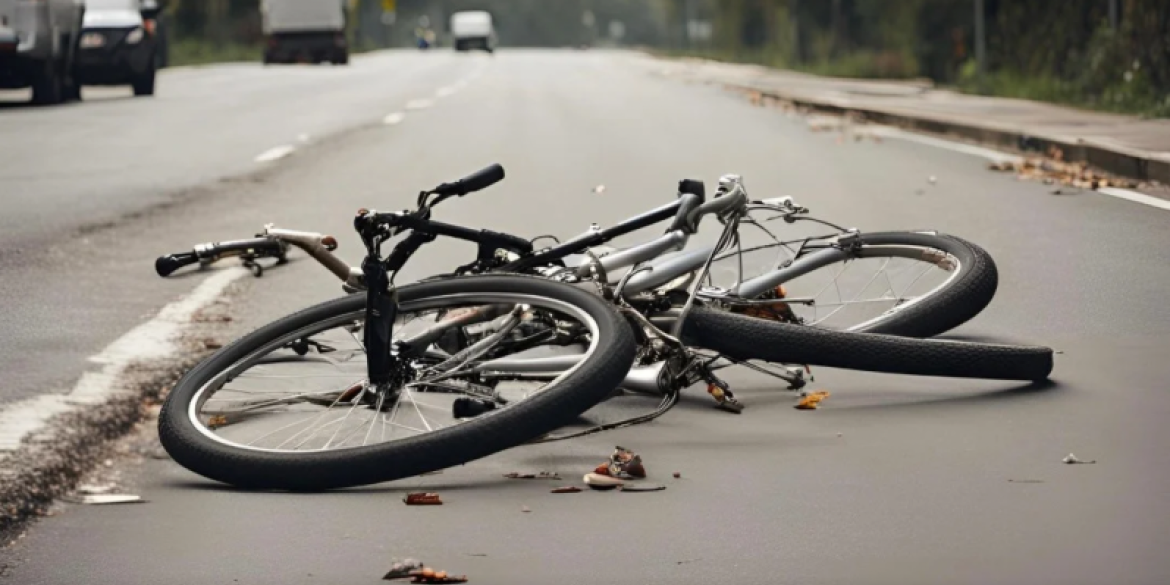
277	412
860	292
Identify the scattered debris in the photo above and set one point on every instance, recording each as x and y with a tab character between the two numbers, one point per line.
418	573
598	481
422	499
431	576
932	179
217	421
477	554
812	400
623	463
403	569
1055	170
677	475
569	489
104	499
1072	460
525	509
686	561
641	487
541	475
599	189
211	344
1026	481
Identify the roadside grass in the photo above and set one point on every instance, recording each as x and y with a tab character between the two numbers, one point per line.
1128	93
201	52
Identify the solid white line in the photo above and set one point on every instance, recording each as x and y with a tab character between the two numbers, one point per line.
154	339
997	156
971	149
419	104
276	153
392	119
1135	197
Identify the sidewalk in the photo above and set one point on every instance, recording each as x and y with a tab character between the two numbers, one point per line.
1123	145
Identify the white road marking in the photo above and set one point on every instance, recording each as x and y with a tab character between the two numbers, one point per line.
1135	197
419	104
276	153
154	339
971	149
393	119
998	156
446	91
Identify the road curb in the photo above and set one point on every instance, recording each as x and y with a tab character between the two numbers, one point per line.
1114	160
64	436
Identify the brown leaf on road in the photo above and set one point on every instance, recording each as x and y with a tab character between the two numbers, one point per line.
569	489
812	401
422	499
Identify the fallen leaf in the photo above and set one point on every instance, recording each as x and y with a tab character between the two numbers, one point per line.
812	400
423	499
217	421
677	475
569	489
211	344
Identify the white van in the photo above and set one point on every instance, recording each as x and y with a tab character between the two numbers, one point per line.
305	31
473	30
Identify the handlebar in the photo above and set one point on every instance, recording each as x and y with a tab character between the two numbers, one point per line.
731	197
476	181
250	250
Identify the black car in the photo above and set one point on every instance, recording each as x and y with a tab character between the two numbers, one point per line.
119	46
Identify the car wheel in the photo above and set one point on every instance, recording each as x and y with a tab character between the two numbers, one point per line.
48	87
144	84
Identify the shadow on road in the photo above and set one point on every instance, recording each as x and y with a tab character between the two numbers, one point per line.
1045	388
400	486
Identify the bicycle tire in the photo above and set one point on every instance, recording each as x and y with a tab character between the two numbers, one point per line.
555	406
955	302
958	302
747	338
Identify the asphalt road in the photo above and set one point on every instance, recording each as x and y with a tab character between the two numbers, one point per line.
895	480
72	176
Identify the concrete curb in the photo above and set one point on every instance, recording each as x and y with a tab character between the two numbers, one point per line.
1115	160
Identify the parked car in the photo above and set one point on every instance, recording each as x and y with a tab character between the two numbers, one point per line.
473	29
38	47
304	31
118	45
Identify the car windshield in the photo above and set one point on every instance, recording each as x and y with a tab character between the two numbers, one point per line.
112	4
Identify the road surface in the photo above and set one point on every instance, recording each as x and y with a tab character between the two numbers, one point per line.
895	480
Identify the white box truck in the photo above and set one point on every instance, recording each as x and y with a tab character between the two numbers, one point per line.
38	47
473	29
304	31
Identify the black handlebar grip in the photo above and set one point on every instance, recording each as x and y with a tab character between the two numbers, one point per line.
474	182
165	265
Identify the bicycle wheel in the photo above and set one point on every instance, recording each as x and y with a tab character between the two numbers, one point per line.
896	283
748	338
287	406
